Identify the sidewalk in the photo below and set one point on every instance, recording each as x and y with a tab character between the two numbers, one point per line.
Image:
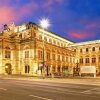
46	77
69	80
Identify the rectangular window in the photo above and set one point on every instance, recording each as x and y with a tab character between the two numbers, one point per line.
26	54
87	49
63	58
87	60
53	56
66	59
74	50
99	59
40	54
70	59
99	48
80	50
58	57
7	54
48	56
93	60
93	49
81	60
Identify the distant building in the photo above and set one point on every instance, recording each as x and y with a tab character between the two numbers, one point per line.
87	54
21	51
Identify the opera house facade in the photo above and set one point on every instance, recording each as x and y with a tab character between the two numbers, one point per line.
28	49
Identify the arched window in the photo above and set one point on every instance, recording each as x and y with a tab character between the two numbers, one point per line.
7	52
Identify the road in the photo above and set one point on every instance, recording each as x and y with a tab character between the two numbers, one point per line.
16	89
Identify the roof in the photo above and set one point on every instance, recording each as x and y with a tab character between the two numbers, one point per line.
48	31
86	43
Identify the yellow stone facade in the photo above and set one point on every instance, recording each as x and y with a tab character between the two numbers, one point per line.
21	51
88	54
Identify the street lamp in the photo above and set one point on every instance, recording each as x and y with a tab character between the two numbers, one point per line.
44	23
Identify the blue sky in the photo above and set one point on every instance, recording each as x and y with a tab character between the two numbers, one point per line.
77	20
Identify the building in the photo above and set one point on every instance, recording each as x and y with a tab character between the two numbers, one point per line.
21	51
87	54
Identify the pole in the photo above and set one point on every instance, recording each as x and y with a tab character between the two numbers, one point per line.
43	65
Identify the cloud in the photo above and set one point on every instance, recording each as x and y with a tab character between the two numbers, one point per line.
6	14
15	13
28	8
48	5
60	1
91	24
81	35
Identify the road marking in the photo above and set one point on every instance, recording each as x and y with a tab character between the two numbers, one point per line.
39	97
89	90
3	89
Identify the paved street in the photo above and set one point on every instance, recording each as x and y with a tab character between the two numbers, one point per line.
49	89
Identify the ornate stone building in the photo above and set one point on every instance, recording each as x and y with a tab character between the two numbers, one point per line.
21	51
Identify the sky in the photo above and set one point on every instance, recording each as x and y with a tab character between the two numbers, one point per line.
76	20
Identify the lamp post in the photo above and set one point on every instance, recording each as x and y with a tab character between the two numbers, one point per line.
76	69
44	23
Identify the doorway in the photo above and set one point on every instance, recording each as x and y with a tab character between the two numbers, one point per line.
27	68
8	68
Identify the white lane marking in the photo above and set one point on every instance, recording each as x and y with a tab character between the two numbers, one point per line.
69	92
39	97
3	89
89	90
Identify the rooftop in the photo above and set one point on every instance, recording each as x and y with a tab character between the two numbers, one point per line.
86	43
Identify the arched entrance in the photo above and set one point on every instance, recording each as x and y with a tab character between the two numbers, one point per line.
65	70
8	68
58	70
27	68
53	69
